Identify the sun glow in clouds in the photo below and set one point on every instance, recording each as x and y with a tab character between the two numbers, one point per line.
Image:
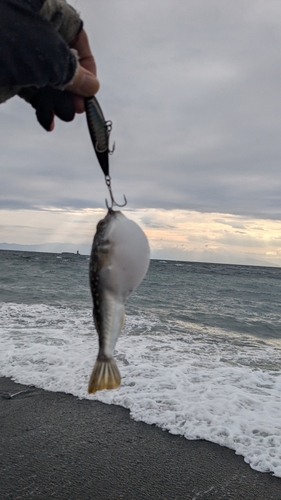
172	234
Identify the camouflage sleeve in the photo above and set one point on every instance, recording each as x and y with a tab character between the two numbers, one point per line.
63	17
34	37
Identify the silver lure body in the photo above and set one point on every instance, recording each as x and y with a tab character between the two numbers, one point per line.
99	131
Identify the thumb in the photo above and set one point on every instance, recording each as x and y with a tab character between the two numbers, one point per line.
84	83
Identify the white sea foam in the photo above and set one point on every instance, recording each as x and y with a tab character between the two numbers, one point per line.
189	385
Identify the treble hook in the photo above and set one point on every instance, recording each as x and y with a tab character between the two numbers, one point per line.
108	128
108	125
113	202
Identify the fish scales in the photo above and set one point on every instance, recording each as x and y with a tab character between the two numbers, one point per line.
118	263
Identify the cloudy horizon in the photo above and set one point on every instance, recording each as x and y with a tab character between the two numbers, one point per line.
193	90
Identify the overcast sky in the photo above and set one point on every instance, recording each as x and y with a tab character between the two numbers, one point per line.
194	92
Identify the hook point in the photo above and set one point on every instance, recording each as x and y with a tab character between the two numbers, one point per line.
113	202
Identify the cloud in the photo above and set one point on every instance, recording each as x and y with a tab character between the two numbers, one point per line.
233	223
193	90
174	234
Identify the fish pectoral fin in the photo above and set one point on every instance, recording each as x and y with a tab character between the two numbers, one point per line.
105	375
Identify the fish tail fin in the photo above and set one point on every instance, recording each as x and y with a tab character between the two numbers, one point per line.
105	375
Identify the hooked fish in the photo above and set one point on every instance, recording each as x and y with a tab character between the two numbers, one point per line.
118	263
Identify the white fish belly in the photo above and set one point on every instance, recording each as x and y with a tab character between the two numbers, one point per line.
129	259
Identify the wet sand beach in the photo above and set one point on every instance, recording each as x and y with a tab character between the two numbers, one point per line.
55	446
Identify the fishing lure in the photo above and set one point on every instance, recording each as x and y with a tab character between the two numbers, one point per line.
99	130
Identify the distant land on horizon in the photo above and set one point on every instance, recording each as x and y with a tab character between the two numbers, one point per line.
48	248
84	249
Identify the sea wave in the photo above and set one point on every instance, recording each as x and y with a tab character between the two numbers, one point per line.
182	380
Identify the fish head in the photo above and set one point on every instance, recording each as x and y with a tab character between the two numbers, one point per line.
102	244
104	225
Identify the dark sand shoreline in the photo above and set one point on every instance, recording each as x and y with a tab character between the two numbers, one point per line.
55	446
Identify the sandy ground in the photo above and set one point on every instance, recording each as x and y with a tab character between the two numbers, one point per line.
55	446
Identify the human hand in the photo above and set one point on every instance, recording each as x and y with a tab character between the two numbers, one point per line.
37	61
53	68
85	82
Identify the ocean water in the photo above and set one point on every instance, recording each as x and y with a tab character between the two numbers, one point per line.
200	352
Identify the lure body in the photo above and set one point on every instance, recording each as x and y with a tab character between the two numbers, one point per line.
99	131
